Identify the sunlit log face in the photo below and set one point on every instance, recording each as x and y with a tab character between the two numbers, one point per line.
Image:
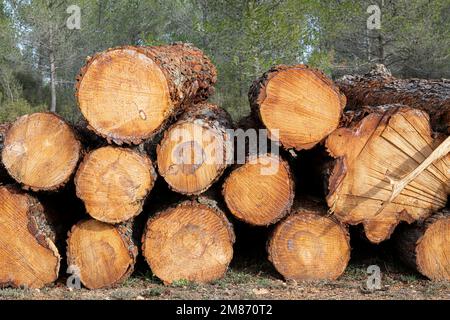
40	151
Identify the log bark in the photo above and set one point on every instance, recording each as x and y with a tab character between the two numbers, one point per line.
191	241
375	145
100	254
309	244
128	93
194	151
114	182
261	191
3	129
41	151
425	246
298	101
28	255
379	87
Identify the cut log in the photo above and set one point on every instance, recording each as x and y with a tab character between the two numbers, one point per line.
100	254
194	151
126	94
28	255
425	246
192	241
309	244
379	87
299	102
261	191
374	146
41	151
113	183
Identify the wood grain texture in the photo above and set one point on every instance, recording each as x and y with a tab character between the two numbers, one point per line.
192	241
128	93
309	244
193	153
103	254
298	101
261	191
389	141
425	246
28	255
41	151
113	183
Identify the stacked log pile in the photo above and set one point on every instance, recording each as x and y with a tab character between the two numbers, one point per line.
147	121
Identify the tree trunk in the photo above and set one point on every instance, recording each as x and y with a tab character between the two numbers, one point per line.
309	244
379	87
375	145
426	246
298	105
113	183
128	93
192	241
52	72
100	254
41	151
194	151
28	255
261	191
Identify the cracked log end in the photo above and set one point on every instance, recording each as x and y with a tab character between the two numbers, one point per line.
388	142
40	151
28	255
301	102
261	191
191	241
100	254
113	183
309	245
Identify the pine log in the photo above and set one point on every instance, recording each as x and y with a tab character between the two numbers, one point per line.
191	241
100	254
114	182
379	87
425	246
126	94
28	255
309	244
41	151
299	101
194	151
376	145
261	191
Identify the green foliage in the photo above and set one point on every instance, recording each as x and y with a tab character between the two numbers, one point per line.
244	38
10	109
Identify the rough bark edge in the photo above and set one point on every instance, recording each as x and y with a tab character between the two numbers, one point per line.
39	227
409	238
290	202
199	202
179	101
79	154
153	177
125	232
209	117
3	130
368	89
309	206
257	94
